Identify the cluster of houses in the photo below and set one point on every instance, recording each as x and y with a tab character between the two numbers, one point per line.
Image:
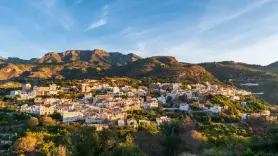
27	92
112	103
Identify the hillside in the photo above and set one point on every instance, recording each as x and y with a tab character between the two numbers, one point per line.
273	67
162	66
2	58
10	71
230	70
244	73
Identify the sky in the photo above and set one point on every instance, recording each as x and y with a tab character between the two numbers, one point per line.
193	31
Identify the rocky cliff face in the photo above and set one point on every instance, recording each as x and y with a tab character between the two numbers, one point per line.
95	57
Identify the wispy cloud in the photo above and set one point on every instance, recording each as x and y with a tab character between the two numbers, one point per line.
96	24
102	21
215	16
55	11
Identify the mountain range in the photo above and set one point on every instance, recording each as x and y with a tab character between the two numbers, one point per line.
82	64
96	57
98	63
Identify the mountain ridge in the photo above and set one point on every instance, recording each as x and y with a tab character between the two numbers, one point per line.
76	64
97	57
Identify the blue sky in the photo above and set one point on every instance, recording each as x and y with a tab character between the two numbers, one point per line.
191	30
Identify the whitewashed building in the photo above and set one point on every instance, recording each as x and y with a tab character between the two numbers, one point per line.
184	107
161	99
71	116
121	123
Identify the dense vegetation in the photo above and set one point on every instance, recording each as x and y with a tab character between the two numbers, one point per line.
196	134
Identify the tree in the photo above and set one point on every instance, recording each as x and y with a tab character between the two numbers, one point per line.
47	121
124	151
32	122
150	128
49	148
25	144
128	141
2	104
56	116
171	144
206	119
64	137
85	142
109	138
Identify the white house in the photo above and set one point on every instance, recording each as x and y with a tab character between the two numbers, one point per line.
34	109
53	92
163	119
184	107
176	86
144	121
96	87
47	110
243	92
129	94
125	89
243	103
96	118
199	86
71	116
235	98
161	99
52	87
212	87
243	116
116	89
216	109
265	113
141	92
150	104
121	123
24	95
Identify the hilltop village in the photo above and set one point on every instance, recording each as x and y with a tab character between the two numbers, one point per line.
101	103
